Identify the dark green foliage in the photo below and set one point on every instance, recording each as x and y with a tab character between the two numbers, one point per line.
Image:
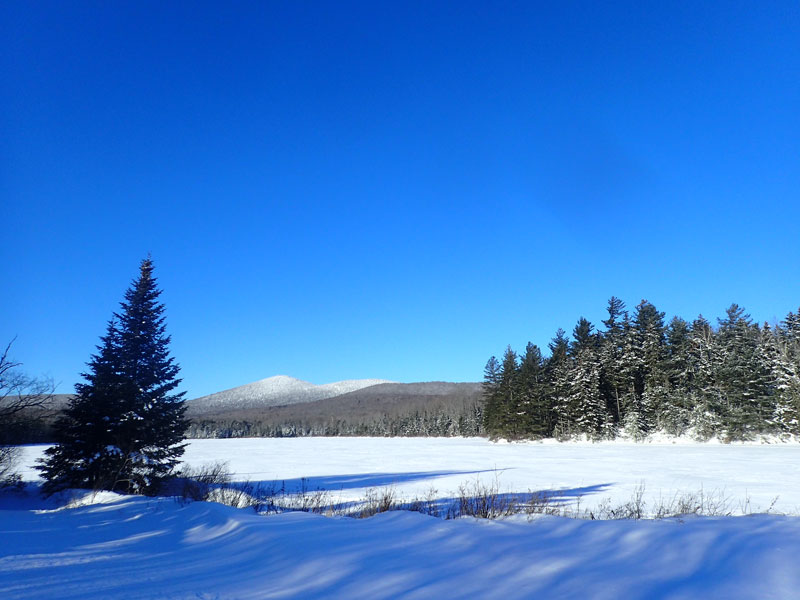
491	394
504	396
743	379
583	337
123	430
612	380
638	375
675	417
535	411
557	382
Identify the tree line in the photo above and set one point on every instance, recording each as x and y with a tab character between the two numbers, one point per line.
454	418
638	375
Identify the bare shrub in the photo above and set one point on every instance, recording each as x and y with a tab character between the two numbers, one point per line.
313	501
199	482
714	504
427	505
484	501
700	503
635	508
474	499
241	495
378	501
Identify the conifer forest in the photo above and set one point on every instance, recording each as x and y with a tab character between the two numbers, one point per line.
638	375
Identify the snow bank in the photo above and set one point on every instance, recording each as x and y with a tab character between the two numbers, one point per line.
139	548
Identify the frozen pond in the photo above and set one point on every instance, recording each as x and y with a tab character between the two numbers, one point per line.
593	472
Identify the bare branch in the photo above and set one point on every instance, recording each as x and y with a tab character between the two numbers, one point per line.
19	392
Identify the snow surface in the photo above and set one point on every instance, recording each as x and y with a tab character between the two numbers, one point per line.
749	476
145	549
158	548
277	391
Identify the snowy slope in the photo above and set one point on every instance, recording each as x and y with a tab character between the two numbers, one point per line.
140	548
275	391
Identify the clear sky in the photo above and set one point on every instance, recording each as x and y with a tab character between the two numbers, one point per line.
337	190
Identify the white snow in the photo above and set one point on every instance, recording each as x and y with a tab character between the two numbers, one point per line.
140	548
157	548
742	473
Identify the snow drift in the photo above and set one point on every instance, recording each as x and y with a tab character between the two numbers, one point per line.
138	548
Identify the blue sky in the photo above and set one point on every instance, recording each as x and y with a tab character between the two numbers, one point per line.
341	190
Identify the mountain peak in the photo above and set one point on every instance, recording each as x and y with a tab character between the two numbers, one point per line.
278	390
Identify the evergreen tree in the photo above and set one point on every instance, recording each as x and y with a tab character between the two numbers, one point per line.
583	337
705	394
741	375
491	396
790	337
629	363
611	366
535	404
675	416
511	396
124	428
585	406
557	372
559	346
784	379
788	342
651	389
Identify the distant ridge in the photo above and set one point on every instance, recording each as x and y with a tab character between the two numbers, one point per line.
432	408
279	390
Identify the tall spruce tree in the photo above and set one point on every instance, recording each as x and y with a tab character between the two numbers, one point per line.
510	395
705	394
124	428
628	369
675	415
611	365
784	380
492	398
557	371
585	408
651	386
743	378
536	410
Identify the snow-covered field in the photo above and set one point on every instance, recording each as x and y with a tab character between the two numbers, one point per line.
592	472
750	477
158	548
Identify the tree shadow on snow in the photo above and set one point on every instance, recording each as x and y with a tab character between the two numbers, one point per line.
473	496
566	495
336	483
478	500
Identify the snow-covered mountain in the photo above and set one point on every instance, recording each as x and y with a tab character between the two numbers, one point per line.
279	390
